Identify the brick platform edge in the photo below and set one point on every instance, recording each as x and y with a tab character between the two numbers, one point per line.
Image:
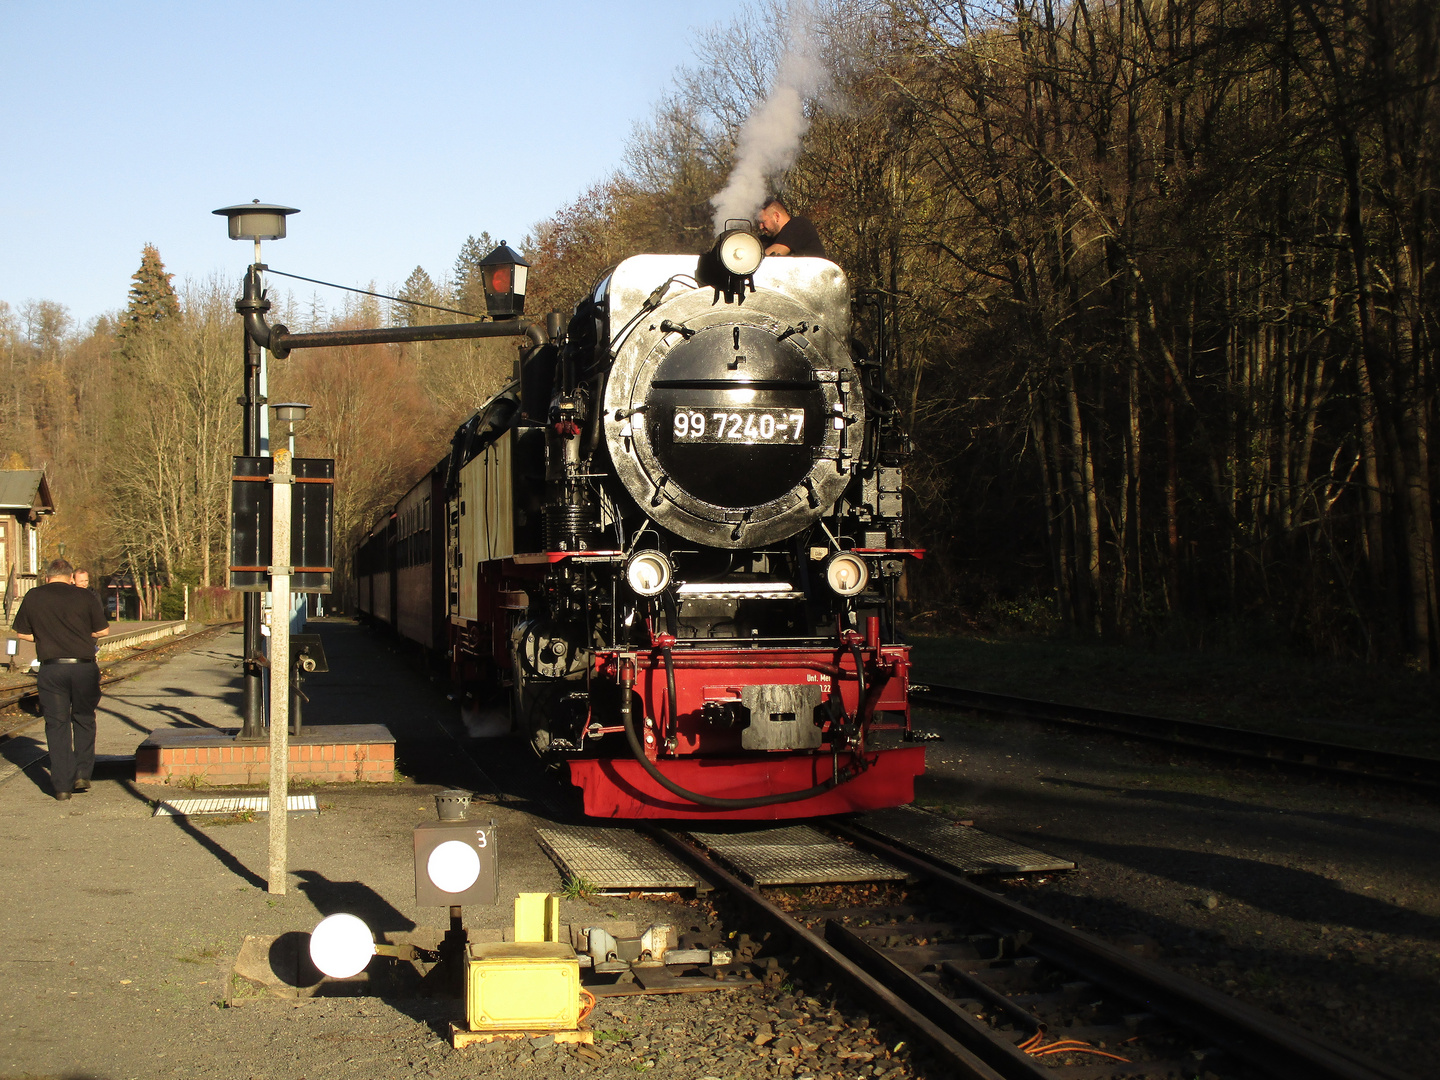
336	754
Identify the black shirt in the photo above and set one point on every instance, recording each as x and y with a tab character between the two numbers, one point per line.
799	235
63	618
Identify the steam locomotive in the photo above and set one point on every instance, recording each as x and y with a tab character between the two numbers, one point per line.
670	550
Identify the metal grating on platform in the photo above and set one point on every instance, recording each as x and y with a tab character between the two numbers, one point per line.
611	859
964	848
233	804
796	855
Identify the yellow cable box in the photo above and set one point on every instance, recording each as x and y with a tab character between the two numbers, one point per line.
522	986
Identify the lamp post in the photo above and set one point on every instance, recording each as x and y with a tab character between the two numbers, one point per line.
253	221
290	413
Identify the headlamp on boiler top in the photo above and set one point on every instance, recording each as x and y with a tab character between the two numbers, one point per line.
740	251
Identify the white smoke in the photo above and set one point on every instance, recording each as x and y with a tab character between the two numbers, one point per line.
769	140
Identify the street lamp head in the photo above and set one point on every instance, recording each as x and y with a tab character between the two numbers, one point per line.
290	412
256	220
504	273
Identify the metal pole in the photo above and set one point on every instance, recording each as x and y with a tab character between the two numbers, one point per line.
280	488
252	703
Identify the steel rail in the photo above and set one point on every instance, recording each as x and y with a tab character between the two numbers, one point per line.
1303	755
962	1061
965	1045
1259	1038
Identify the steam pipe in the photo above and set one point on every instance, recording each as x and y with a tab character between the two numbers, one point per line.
280	341
253	305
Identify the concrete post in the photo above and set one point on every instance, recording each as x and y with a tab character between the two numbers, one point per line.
281	487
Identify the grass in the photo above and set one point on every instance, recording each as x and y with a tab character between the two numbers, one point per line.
953	810
1383	709
207	954
242	989
579	888
240	817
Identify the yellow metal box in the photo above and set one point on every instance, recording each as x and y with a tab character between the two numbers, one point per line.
522	986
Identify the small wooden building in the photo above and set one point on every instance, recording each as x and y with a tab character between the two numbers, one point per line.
25	503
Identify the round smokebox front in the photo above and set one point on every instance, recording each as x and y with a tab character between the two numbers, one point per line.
729	426
733	416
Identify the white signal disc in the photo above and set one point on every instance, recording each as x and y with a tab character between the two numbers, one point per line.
341	946
453	866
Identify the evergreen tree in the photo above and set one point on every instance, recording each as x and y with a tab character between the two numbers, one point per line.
469	286
152	297
419	287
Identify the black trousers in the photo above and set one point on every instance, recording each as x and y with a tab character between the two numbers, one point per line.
69	694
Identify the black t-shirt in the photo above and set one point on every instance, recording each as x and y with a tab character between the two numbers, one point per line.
799	235
63	618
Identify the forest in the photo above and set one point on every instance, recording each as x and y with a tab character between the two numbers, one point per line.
1159	305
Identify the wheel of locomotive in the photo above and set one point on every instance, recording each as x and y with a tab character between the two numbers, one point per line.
548	667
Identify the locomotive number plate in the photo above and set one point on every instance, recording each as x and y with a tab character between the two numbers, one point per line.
739	425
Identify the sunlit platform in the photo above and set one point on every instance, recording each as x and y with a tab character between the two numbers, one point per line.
328	754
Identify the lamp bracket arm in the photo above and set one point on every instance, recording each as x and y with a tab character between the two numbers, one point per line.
253	305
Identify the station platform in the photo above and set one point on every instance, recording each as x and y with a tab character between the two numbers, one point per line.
332	754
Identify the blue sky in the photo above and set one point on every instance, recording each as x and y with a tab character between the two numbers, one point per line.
397	128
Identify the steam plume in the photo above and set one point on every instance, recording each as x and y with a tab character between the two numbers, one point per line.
769	139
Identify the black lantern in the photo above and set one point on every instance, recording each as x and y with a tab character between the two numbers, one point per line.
505	273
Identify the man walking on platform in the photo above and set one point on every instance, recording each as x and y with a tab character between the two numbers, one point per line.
64	622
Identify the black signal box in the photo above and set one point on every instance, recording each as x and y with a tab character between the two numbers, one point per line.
312	524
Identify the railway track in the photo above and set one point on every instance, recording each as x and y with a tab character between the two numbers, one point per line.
999	992
1237	744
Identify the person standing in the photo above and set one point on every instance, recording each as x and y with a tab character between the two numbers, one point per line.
789	234
64	622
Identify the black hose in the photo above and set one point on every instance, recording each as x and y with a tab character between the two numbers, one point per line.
860	698
860	677
636	748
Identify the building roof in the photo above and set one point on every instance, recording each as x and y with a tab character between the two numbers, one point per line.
25	489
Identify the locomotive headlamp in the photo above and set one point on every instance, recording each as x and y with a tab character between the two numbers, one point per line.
503	273
740	251
846	573
648	573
